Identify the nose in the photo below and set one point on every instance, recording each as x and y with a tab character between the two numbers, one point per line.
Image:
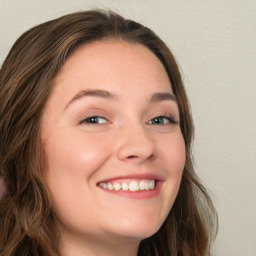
136	144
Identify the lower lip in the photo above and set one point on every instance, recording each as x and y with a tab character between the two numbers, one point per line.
141	194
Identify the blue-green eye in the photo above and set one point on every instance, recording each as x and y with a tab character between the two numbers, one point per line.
94	120
162	120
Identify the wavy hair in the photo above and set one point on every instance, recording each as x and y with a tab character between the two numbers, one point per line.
27	220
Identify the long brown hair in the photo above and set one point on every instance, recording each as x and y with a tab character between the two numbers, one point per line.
27	220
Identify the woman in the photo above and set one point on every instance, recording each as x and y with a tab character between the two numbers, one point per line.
95	144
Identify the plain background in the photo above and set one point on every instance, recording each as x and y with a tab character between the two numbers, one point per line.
214	43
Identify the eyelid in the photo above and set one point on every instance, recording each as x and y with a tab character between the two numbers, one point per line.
171	115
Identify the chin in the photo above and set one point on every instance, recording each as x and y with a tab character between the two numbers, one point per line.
138	229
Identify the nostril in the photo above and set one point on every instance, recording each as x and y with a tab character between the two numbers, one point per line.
135	157
133	150
131	157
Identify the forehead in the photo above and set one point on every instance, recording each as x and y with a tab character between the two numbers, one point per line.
130	71
113	60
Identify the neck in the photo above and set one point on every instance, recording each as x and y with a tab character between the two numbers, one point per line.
94	246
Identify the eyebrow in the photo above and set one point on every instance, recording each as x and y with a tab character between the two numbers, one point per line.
162	96
96	93
155	98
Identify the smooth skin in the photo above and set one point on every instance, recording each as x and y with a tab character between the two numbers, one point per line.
105	119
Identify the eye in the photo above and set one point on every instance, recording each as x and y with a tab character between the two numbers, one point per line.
94	120
162	120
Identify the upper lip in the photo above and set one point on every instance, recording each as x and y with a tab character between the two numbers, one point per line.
146	176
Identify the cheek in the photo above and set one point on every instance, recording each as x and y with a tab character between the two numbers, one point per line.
173	157
77	154
173	154
71	164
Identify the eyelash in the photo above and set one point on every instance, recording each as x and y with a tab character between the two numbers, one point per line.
87	120
170	119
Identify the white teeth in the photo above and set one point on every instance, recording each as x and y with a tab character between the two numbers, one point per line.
151	184
125	186
103	185
110	186
142	185
117	186
132	186
146	186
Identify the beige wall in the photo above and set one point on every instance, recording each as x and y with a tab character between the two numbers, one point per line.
214	42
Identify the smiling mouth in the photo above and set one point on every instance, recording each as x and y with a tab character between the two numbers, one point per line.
132	186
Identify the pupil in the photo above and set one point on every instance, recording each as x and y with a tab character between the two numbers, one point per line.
157	121
93	119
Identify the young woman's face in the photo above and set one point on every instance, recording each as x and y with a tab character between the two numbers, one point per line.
115	151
